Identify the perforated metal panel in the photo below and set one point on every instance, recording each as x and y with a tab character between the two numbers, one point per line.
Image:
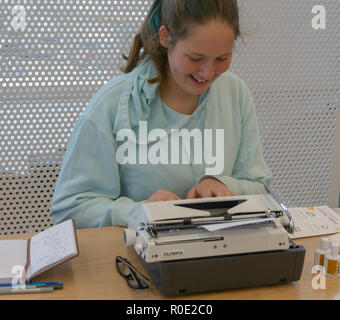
56	54
292	70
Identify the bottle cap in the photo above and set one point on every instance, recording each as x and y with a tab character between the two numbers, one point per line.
335	248
324	243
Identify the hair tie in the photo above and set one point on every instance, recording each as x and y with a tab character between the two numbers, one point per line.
154	21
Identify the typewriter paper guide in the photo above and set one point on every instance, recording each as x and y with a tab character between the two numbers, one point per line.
255	203
165	210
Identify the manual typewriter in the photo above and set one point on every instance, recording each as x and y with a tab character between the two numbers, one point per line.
216	243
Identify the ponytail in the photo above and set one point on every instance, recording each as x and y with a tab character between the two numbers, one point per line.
147	42
135	54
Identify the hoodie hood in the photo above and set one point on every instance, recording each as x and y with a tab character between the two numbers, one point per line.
140	101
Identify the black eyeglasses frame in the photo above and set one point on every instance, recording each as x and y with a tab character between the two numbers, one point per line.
136	275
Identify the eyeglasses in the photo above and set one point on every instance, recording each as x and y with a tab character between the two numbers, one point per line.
134	278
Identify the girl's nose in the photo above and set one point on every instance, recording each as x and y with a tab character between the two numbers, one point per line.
207	71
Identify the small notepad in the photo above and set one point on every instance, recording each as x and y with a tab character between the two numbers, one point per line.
43	251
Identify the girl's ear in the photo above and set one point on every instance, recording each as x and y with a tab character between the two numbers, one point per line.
164	36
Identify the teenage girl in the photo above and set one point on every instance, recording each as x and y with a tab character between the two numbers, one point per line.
175	81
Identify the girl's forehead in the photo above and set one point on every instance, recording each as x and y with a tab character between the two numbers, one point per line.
211	29
215	36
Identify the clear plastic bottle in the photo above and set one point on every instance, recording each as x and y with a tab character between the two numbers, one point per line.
332	261
319	255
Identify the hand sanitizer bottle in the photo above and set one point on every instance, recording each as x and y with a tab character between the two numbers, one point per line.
332	261
320	253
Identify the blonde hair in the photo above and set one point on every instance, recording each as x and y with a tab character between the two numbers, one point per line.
177	16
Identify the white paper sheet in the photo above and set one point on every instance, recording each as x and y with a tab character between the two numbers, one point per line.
229	225
314	221
12	253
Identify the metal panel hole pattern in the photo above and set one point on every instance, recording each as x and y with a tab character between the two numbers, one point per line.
55	54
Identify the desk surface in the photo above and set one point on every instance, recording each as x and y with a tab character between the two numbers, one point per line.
92	275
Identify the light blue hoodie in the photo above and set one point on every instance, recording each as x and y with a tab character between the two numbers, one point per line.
96	190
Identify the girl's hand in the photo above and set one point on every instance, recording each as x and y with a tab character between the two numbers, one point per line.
209	187
163	195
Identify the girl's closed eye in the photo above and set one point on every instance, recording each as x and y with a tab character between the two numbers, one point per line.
195	59
198	59
223	59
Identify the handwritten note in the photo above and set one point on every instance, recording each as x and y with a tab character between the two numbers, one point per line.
51	247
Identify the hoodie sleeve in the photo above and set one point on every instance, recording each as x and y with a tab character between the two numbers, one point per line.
88	187
250	171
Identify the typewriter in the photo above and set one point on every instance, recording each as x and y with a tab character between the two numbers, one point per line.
206	244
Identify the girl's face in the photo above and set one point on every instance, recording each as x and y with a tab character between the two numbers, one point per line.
198	60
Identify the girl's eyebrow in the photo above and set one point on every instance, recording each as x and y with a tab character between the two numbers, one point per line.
201	55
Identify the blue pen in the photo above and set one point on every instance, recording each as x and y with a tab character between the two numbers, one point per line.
54	285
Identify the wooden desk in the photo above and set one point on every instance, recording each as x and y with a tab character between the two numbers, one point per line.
92	275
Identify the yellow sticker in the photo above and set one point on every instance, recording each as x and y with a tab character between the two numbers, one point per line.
321	259
332	266
310	208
